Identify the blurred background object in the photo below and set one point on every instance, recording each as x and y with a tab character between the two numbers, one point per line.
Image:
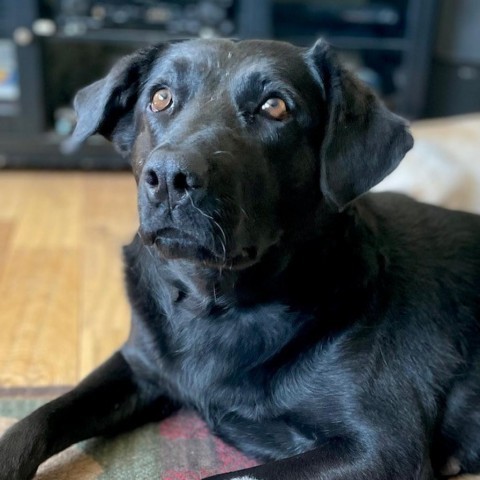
443	167
421	56
455	73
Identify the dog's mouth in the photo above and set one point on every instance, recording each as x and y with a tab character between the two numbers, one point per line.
174	244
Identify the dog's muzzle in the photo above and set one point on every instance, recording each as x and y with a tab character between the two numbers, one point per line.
171	188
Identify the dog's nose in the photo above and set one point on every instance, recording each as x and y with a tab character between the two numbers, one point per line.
170	178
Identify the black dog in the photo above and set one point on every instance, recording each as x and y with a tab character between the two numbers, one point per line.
335	336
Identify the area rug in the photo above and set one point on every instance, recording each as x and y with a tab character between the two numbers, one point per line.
179	448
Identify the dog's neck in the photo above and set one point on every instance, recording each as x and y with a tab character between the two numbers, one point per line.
328	253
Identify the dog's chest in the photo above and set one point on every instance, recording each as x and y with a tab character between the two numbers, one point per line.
218	360
237	372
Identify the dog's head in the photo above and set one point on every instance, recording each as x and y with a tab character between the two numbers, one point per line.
236	145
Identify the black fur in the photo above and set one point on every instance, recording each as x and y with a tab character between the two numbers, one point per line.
333	334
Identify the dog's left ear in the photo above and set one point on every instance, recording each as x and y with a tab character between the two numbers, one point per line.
363	141
106	106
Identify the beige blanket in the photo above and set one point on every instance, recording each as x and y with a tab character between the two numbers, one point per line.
443	167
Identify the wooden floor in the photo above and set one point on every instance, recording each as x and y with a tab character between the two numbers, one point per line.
62	304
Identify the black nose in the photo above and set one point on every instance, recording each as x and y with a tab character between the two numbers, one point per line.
171	178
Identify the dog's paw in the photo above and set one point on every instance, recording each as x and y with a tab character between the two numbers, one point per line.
17	454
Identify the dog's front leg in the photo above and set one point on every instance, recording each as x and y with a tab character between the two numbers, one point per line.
109	400
340	459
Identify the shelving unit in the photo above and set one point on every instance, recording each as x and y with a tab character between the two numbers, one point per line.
28	137
399	33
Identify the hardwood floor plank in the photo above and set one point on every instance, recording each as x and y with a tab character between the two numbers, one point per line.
49	216
12	186
110	222
6	233
39	333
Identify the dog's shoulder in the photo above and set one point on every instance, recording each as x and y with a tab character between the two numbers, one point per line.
416	222
428	251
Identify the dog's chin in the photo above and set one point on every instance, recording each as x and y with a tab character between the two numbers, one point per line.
174	244
185	248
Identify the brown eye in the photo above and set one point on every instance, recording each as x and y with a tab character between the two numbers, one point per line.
161	100
275	108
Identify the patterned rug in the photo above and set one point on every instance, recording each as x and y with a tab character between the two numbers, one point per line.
179	448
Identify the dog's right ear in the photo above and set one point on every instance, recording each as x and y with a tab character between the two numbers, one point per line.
106	106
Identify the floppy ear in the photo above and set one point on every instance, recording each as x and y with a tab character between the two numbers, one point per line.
363	140
106	106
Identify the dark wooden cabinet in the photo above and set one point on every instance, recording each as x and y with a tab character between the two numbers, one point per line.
58	46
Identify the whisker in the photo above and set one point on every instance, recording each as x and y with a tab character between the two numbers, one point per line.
234	203
223	242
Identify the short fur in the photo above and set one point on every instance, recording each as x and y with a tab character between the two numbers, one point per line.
332	333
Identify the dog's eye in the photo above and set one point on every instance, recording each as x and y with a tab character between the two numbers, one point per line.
275	108
161	100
